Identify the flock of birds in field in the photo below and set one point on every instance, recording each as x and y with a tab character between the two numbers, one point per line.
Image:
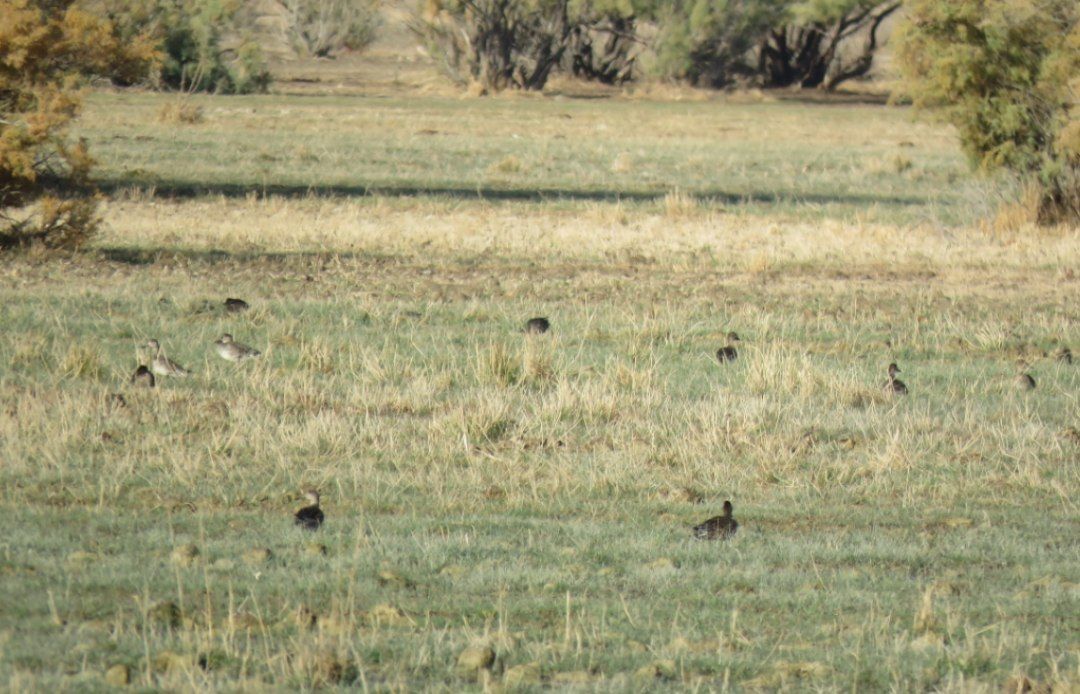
311	517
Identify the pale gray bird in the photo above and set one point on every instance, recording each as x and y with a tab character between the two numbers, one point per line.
230	350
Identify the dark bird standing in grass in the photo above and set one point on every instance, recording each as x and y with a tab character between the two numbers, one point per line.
311	516
894	386
729	353
142	377
717	527
236	305
536	326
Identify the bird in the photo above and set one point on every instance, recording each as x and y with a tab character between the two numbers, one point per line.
311	516
1063	354
536	326
1023	379
236	305
717	527
729	353
162	365
894	385
142	377
230	350
115	400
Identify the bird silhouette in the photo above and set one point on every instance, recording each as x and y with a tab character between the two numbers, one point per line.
536	326
729	353
142	377
894	385
717	527
311	516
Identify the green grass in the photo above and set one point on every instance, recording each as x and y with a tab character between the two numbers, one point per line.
802	160
536	493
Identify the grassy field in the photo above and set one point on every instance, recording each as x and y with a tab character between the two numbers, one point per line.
533	495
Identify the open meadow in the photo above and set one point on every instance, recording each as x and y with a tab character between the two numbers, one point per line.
513	511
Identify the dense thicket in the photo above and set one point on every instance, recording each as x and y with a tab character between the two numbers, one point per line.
1006	73
47	47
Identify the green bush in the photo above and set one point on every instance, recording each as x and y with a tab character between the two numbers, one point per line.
323	27
707	42
47	48
207	45
1006	73
497	44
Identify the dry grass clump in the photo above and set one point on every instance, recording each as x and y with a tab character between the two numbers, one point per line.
508	165
893	165
623	163
80	361
181	111
678	205
1018	215
795	374
497	364
538	362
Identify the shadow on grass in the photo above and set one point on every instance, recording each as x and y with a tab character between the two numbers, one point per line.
183	190
277	259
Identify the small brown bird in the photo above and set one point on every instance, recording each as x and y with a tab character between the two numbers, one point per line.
161	364
717	527
729	353
236	305
536	326
894	386
115	400
143	377
1023	380
311	516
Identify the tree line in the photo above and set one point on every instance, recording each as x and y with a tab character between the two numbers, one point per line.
1005	73
501	44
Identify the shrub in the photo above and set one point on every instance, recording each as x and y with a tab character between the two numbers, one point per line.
770	43
497	44
207	45
808	50
1006	73
708	43
323	27
46	48
605	40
